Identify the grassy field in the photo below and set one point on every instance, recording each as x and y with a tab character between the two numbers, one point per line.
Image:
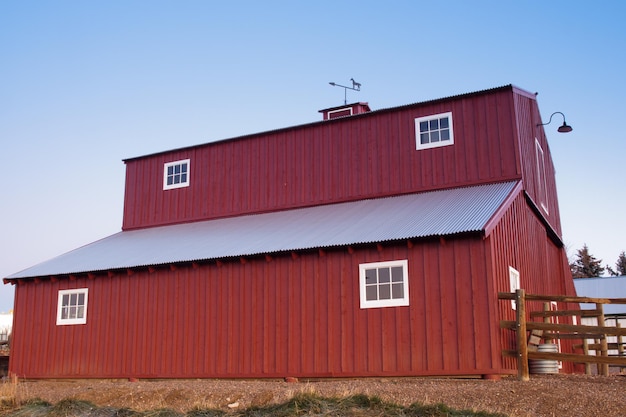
299	405
542	396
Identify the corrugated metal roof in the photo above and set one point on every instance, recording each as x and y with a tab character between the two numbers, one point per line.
602	287
436	213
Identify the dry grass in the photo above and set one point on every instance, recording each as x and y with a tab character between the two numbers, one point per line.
299	405
10	393
548	395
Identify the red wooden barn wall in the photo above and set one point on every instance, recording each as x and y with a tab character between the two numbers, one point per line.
528	116
344	159
520	241
300	316
289	316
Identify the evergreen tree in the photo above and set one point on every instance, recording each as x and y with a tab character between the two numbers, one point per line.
620	266
586	265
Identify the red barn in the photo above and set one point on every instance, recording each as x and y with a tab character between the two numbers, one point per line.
370	244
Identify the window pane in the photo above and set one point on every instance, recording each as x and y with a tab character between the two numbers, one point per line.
183	178
371	293
396	274
72	313
176	179
386	285
170	170
170	180
397	291
370	276
384	291
80	312
81	299
184	167
64	312
434	131
73	299
66	300
384	275
176	169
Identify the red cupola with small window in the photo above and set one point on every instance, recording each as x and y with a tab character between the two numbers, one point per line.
345	110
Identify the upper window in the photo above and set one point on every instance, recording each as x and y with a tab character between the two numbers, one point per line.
340	113
542	188
434	131
384	284
72	307
176	174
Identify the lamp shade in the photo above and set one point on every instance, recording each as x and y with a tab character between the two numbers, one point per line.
564	128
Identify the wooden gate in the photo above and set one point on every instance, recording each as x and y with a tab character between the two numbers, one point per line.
551	331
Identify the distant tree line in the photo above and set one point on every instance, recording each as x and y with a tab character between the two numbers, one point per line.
588	266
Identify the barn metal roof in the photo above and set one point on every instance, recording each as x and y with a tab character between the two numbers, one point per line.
602	287
436	213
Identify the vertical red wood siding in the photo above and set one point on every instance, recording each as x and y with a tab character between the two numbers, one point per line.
296	316
299	315
520	241
528	116
345	159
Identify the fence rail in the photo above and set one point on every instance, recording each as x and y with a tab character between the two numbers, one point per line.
555	331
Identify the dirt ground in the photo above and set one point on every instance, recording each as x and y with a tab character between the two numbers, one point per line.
543	395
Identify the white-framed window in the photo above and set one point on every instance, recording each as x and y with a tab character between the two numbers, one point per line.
384	284
514	283
72	307
434	131
542	188
176	174
333	114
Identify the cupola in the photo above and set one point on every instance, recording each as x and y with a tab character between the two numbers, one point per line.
345	110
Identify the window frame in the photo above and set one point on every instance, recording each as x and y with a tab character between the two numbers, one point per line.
71	321
541	177
418	143
341	110
514	284
397	302
181	184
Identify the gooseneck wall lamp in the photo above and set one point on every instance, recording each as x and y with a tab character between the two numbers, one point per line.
564	128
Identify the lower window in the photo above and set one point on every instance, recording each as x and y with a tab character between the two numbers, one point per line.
72	307
384	284
514	283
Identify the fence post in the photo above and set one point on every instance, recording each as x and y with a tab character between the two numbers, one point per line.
620	346
598	352
604	347
522	346
586	353
547	319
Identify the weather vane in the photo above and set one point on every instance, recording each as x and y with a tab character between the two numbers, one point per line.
355	86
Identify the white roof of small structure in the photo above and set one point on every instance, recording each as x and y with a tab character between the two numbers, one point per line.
602	287
436	213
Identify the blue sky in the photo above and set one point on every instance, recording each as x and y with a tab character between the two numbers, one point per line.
84	85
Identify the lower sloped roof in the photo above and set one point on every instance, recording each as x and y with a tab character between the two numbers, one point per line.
435	213
602	287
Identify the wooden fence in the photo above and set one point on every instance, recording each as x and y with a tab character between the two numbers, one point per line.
551	331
